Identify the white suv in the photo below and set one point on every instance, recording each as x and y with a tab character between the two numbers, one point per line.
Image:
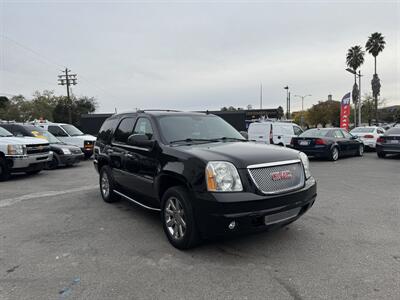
69	134
22	154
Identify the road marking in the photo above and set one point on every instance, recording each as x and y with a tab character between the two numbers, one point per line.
12	201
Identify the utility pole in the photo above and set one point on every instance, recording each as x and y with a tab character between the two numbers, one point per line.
261	96
68	79
359	97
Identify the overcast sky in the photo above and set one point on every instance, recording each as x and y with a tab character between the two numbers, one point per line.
195	55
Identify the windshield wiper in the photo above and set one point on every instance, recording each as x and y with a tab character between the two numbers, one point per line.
190	140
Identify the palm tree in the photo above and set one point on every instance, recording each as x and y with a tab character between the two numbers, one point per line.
375	45
354	59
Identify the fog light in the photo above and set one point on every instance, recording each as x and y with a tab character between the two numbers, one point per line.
232	225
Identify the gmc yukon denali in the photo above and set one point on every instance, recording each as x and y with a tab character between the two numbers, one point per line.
203	177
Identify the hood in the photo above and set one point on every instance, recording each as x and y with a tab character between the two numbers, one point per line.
64	146
241	154
86	137
26	140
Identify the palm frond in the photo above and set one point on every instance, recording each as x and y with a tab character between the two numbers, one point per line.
375	44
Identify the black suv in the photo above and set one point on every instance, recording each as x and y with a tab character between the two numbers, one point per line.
204	177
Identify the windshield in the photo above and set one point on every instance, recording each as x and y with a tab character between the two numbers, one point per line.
47	135
363	129
72	130
4	133
197	127
315	133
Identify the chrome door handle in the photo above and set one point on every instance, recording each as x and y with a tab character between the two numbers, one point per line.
129	155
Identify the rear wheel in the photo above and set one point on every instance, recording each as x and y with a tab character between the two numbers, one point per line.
334	155
381	154
4	172
107	185
178	218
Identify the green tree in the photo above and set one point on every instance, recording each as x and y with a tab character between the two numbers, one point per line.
324	113
354	59
82	105
375	45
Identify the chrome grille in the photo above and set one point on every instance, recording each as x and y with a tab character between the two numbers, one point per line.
280	177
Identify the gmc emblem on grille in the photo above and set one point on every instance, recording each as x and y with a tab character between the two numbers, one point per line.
281	175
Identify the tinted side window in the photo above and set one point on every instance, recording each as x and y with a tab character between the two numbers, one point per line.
124	130
106	130
56	131
143	126
297	130
338	134
346	134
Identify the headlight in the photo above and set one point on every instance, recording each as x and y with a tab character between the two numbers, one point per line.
306	164
222	177
16	149
66	151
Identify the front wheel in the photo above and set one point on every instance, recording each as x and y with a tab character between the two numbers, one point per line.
4	172
334	155
178	218
360	151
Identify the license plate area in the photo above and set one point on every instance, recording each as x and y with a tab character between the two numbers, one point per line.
393	141
304	143
282	216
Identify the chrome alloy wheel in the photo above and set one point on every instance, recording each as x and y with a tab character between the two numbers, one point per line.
174	216
335	153
105	185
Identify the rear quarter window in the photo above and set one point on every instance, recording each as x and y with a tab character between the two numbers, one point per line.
107	130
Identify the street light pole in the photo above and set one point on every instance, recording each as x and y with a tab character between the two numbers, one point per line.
287	102
359	95
302	107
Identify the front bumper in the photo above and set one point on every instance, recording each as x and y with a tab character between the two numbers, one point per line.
28	162
215	211
70	159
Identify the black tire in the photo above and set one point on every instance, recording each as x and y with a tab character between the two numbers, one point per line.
360	151
53	164
334	155
104	178
190	236
4	172
381	154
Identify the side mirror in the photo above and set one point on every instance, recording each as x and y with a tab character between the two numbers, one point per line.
354	137
141	140
244	134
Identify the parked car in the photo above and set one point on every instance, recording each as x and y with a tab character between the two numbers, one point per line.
330	143
389	143
273	132
368	135
22	154
71	135
63	154
201	174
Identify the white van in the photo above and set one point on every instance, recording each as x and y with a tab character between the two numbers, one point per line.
273	132
69	134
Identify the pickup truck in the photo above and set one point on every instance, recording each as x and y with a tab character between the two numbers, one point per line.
22	154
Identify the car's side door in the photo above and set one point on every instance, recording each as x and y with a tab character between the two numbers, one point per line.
119	149
141	162
341	141
353	143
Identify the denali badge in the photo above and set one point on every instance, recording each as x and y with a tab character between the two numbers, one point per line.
281	175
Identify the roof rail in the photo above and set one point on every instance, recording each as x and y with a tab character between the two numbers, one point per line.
167	110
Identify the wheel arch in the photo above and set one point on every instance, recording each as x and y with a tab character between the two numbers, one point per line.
166	180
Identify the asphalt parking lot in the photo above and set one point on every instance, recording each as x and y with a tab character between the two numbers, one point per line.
59	240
